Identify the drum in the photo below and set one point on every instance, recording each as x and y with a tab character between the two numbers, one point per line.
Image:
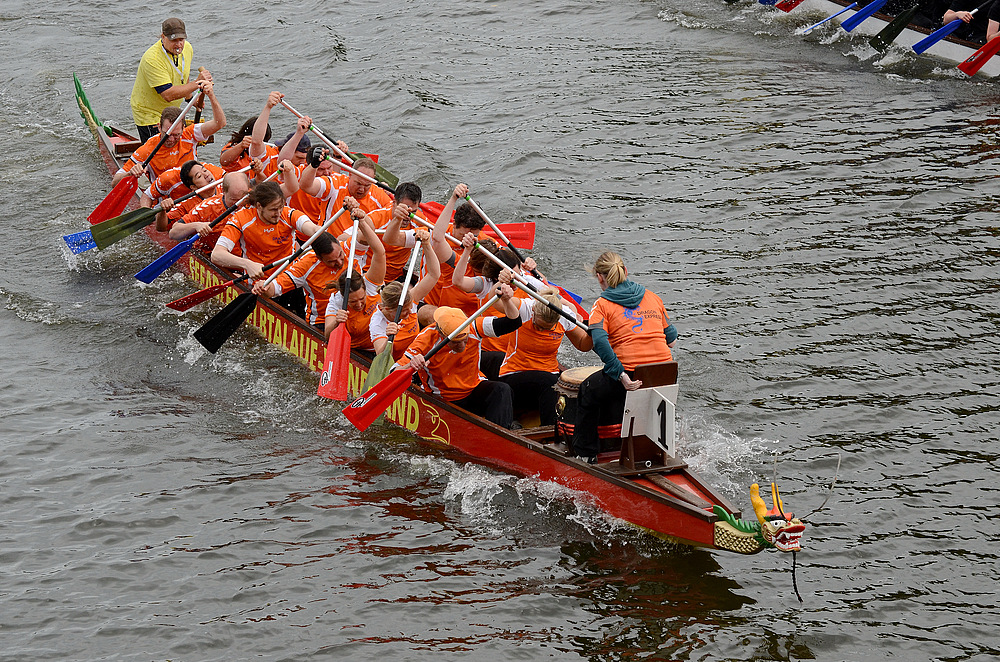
568	387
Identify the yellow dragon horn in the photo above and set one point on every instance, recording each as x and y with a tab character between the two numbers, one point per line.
759	507
776	499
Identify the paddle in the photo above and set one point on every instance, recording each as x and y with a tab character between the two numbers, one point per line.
192	300
373	402
390	179
522	235
788	5
336	363
115	201
490	256
943	31
976	61
500	234
828	18
888	34
115	229
382	363
219	328
165	261
862	14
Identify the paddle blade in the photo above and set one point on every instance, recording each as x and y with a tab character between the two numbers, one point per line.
788	5
936	36
431	210
373	403
80	241
333	380
522	235
862	15
115	229
165	261
217	330
888	34
380	367
114	202
980	57
192	300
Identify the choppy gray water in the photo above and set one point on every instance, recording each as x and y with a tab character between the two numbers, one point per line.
819	220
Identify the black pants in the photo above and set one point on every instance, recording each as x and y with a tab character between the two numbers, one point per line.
492	401
532	389
147	132
601	402
293	301
489	364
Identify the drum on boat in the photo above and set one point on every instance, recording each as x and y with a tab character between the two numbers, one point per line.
568	386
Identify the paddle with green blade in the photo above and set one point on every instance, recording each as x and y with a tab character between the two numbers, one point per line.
114	202
382	363
216	331
115	229
363	411
888	34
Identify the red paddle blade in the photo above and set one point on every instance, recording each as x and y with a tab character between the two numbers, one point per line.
522	235
192	300
980	57
114	202
431	210
333	381
788	5
373	402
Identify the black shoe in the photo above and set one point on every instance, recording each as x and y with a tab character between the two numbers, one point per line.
589	459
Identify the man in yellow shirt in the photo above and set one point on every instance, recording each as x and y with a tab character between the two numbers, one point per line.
162	79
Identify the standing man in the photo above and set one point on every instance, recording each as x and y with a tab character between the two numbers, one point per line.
162	79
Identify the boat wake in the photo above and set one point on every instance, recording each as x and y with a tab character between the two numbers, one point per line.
725	459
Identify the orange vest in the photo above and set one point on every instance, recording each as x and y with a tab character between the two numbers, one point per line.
333	190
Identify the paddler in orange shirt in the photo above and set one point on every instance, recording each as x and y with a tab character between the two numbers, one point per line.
399	237
629	327
178	182
333	188
181	144
361	292
235	185
383	322
453	373
456	221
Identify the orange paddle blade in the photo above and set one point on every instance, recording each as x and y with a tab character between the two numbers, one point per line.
976	61
333	380
114	203
373	402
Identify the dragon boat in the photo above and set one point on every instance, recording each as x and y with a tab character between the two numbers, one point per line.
642	483
952	49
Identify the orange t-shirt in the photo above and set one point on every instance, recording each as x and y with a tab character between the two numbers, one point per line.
531	348
444	293
167	158
333	190
408	330
452	376
205	211
636	334
262	242
169	183
317	280
242	161
358	322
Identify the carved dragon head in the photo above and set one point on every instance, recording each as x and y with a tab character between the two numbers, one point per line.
778	529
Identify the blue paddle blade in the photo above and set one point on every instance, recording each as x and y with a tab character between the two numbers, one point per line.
862	14
936	36
165	261
80	242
